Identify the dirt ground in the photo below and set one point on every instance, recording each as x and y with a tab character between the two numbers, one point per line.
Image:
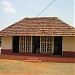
18	67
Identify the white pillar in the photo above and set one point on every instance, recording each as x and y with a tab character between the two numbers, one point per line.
0	50
40	44
19	42
53	45
31	44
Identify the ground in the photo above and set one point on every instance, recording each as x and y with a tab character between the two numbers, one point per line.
19	67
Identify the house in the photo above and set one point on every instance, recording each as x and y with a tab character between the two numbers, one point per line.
44	35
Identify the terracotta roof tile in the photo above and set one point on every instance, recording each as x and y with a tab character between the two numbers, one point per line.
44	26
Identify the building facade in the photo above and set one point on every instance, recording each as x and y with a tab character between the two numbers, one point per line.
48	35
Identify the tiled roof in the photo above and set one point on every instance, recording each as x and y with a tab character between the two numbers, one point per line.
44	26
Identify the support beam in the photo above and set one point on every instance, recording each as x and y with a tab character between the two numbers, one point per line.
40	44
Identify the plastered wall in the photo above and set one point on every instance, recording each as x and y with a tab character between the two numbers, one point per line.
6	42
68	44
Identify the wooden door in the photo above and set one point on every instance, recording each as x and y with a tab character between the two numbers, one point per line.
15	44
58	45
36	44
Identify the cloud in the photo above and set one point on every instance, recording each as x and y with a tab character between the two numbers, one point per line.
8	7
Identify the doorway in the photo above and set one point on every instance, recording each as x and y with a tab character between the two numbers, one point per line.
58	45
15	44
36	44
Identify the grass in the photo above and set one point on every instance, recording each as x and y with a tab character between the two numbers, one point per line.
15	67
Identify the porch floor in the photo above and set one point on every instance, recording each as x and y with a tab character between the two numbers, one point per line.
43	58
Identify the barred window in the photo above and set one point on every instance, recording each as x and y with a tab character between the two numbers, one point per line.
28	44
25	44
22	44
46	44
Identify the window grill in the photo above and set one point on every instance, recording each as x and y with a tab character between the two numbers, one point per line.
25	44
46	44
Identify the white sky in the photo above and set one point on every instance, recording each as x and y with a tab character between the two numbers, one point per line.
15	10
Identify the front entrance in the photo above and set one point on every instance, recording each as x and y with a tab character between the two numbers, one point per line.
58	45
15	44
36	44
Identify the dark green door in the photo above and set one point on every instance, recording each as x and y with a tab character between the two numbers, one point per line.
15	44
36	44
58	45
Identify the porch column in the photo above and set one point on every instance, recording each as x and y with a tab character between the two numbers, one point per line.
53	45
40	44
31	44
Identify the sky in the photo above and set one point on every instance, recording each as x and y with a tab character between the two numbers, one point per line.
12	11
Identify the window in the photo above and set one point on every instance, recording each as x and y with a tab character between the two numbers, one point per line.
28	44
22	44
25	44
46	44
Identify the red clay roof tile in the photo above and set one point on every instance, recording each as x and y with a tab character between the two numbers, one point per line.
44	26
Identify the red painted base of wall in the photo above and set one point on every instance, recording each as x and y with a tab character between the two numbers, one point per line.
6	51
65	53
68	53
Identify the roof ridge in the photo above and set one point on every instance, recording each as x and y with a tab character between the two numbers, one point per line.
39	17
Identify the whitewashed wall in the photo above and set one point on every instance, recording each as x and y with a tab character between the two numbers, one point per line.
6	42
68	44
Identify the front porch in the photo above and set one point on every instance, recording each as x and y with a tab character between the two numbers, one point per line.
37	44
49	46
42	57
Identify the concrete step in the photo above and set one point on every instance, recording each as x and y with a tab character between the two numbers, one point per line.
33	60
